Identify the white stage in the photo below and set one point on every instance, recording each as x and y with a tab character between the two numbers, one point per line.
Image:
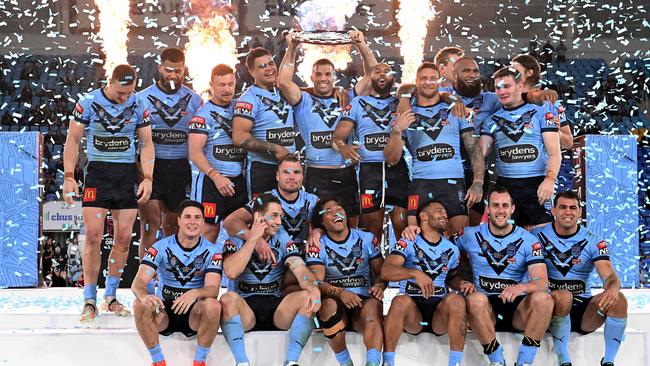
39	327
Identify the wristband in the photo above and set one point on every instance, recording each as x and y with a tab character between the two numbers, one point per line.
68	175
147	177
551	175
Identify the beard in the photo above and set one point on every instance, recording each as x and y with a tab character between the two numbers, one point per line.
386	89
467	90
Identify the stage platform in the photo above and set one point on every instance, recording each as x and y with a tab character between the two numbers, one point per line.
39	326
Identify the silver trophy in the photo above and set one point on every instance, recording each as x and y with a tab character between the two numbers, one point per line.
324	37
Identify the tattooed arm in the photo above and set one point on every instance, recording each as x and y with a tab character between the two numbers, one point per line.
241	136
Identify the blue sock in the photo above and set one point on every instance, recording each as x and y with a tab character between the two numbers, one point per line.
343	357
389	358
455	358
298	335
614	334
156	353
151	287
527	351
201	353
90	291
112	283
560	329
233	330
373	357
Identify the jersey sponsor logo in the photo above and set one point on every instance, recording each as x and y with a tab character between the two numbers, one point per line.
229	246
435	152
280	108
217	260
518	154
259	288
349	282
261	269
413	202
495	285
223	122
412	288
382	117
366	201
170	115
313	251
327	114
602	248
170	293
90	194
346	265
433	267
563	261
297	226
182	272
347	109
576	287
209	210
78	111
111	123
321	139
292	247
498	260
168	137
376	141
537	250
281	136
375	244
150	254
198	123
112	143
229	153
401	245
514	130
243	108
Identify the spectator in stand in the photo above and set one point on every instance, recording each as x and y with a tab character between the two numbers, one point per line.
47	254
561	52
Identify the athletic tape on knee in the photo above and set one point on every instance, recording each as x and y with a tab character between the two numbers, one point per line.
334	325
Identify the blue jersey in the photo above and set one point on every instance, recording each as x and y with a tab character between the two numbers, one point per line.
272	119
517	135
297	214
347	262
499	261
434	259
317	118
215	121
110	127
570	259
170	116
483	105
434	142
180	269
261	278
372	117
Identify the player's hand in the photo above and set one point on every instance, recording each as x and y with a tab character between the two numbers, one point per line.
357	36
144	191
377	291
411	232
153	303
350	299
549	95
182	304
556	121
474	193
403	121
291	37
313	300
264	252
259	226
224	185
70	190
466	287
342	96
511	292
425	283
608	298
314	237
458	109
349	153
545	190
281	152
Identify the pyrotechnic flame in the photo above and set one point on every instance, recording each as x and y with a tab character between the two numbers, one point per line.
324	15
413	17
209	43
114	23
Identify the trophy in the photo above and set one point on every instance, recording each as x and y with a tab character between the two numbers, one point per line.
331	38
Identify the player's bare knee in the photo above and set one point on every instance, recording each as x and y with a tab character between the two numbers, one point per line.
328	308
541	302
619	309
456	304
399	305
229	301
562	300
477	303
211	309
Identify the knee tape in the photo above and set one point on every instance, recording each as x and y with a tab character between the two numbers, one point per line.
335	324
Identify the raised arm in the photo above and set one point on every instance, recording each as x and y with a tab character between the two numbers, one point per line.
362	87
289	89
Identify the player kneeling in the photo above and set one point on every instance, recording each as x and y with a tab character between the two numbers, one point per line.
189	274
423	268
344	259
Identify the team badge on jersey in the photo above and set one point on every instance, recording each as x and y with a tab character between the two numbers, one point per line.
150	254
313	251
217	260
602	248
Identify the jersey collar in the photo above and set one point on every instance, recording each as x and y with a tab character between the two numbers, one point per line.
564	236
514	227
178	242
513	108
342	241
430	242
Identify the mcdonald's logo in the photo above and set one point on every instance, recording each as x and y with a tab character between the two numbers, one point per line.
414	201
90	194
366	201
209	210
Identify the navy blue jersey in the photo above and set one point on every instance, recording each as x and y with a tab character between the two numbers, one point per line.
434	142
317	119
261	278
215	121
570	259
110	127
499	261
518	141
347	262
180	269
434	259
170	116
372	117
272	119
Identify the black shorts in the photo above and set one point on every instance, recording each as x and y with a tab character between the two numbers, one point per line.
505	313
263	307
171	181
178	323
469	178
578	308
216	206
528	211
339	183
261	178
450	192
110	185
374	177
427	307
